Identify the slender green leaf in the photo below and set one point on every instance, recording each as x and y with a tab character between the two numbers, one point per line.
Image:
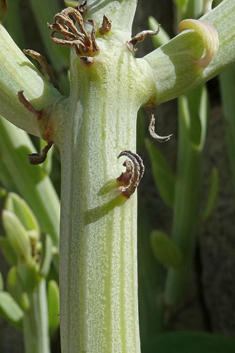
10	310
30	181
25	303
14	286
165	251
36	333
163	175
53	306
28	275
19	207
212	195
3	193
194	112
1	283
7	250
162	37
193	117
17	235
71	3
181	4
45	256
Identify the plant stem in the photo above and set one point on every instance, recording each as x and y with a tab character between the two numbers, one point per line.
98	246
98	274
35	322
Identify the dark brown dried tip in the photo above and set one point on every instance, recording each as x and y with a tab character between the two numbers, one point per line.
28	106
37	158
76	36
140	37
152	129
133	174
106	25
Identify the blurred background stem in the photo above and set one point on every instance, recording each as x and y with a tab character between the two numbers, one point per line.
35	322
30	181
193	118
193	107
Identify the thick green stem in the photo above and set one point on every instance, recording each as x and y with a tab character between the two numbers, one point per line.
98	248
35	322
98	274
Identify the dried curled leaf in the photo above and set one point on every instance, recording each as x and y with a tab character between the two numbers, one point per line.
64	25
133	174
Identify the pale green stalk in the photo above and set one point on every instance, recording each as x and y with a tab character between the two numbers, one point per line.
35	321
98	250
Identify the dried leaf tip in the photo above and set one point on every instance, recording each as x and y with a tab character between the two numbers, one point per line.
37	158
130	179
152	128
209	36
140	37
106	25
